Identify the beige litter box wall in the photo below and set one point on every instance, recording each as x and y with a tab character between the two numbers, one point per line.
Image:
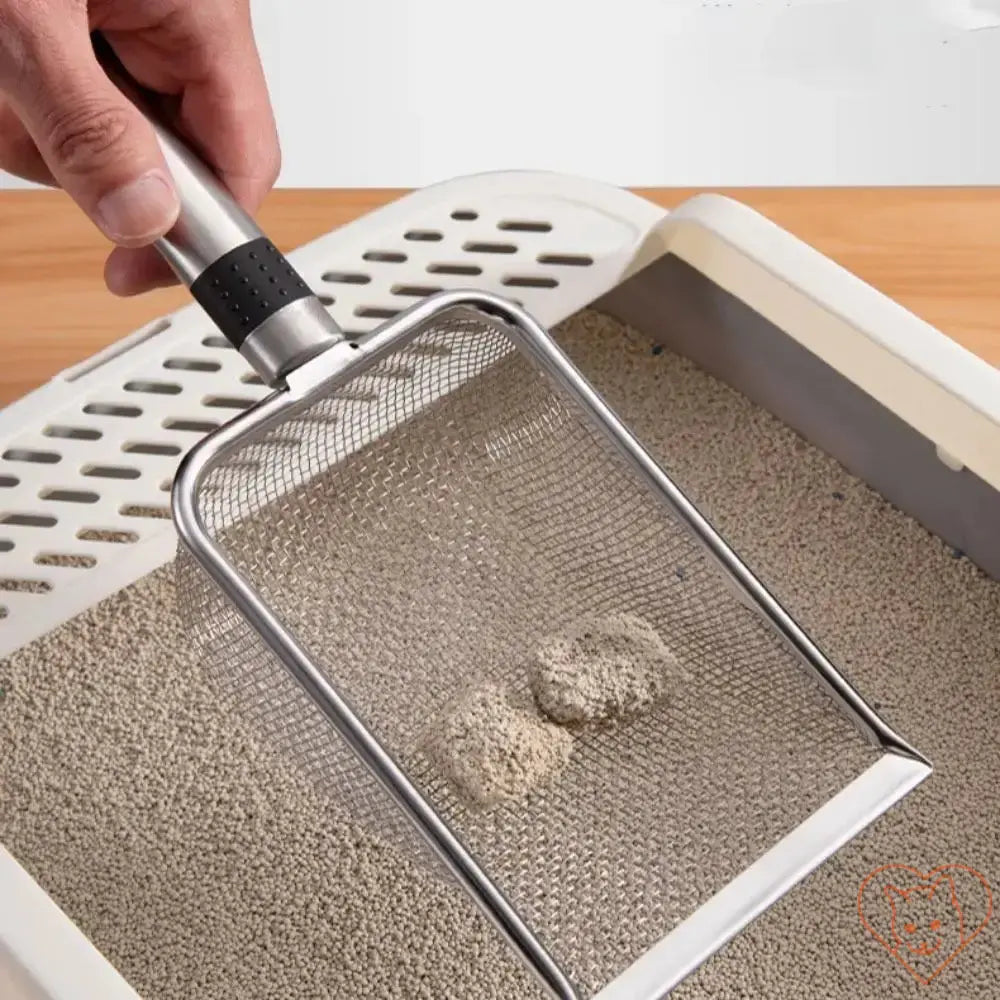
200	869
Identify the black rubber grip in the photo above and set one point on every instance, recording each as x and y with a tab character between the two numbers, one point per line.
246	286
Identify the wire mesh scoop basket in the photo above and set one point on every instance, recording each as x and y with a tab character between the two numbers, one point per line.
419	521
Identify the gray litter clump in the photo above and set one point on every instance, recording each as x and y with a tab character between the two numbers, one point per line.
493	751
600	669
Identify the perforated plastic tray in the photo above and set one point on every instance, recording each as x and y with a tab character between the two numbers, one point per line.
87	460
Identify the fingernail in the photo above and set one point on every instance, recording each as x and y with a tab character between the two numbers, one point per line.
116	277
140	211
120	278
133	272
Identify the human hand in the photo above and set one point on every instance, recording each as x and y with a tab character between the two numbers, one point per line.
64	123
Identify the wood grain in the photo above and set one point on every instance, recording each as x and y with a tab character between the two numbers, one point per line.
936	251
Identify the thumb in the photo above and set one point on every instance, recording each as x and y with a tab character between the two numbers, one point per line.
98	145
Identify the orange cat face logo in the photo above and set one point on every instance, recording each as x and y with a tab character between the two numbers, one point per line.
924	920
925	917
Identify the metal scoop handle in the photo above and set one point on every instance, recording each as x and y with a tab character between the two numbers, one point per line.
254	296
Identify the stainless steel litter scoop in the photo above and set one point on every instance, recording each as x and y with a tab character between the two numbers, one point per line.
408	515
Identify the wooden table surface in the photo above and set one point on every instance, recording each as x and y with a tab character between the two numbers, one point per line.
935	251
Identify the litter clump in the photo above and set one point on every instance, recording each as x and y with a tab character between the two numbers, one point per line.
493	751
601	669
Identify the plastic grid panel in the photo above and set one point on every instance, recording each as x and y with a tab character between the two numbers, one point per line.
86	461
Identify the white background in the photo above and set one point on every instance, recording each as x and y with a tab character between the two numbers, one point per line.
635	92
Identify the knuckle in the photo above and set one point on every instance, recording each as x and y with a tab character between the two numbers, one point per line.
84	137
177	25
27	31
13	45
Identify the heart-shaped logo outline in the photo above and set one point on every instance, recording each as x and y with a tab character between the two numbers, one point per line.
925	877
